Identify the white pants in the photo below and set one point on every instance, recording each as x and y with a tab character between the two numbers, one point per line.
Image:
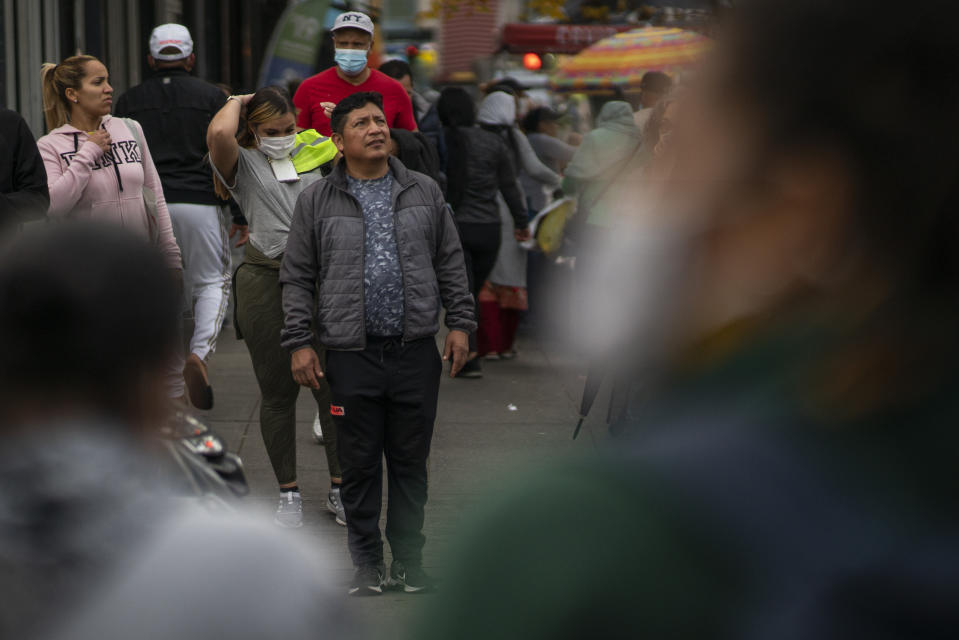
205	247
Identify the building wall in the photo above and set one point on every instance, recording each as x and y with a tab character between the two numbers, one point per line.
229	38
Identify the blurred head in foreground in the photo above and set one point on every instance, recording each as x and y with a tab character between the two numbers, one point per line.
792	470
88	317
92	545
794	191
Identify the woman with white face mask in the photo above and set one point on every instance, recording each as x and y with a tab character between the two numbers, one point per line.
257	169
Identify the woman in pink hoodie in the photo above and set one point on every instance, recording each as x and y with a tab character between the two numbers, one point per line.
97	165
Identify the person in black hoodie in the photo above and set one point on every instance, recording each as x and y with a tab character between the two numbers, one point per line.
479	166
175	109
23	180
416	153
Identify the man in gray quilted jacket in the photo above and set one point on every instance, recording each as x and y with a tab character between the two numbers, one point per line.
374	252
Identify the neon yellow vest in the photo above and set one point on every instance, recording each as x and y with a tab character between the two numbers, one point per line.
312	150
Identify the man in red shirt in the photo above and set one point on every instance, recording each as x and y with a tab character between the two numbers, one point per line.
316	97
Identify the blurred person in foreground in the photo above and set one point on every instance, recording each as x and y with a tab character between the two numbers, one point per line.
316	97
793	468
174	108
92	543
23	180
371	261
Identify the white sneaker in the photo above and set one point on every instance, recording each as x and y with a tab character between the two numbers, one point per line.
317	429
289	513
335	506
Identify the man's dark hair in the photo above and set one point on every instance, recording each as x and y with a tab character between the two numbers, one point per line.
396	69
508	85
172	64
656	81
351	103
535	116
85	310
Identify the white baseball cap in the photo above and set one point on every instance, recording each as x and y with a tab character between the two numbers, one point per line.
171	35
353	20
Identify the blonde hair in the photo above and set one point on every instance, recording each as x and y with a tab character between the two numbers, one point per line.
56	79
267	103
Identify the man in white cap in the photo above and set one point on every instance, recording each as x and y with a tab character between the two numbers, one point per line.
316	97
175	109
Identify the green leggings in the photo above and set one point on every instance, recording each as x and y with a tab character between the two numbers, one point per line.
259	319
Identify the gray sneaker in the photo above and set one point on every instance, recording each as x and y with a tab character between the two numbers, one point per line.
335	505
369	580
410	579
317	430
289	512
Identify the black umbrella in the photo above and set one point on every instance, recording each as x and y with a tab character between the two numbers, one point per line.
595	376
594	380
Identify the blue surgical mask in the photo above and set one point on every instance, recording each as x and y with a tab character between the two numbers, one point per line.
351	61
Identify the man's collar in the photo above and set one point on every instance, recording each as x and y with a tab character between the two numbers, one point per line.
400	173
173	71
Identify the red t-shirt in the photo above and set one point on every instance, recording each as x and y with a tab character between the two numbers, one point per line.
328	86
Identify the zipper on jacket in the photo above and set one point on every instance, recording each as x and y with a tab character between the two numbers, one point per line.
113	160
399	257
363	265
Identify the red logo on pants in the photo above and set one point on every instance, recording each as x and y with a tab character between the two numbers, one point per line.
336	411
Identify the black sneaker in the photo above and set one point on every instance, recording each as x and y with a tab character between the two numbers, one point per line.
472	369
410	579
368	580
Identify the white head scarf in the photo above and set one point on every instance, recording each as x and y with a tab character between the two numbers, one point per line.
497	108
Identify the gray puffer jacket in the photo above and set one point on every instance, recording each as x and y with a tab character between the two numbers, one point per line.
322	268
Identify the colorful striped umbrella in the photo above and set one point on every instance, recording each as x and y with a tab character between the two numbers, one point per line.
622	59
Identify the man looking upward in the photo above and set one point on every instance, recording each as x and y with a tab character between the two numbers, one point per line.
372	257
316	97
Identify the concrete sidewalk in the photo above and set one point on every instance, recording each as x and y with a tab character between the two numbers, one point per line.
521	412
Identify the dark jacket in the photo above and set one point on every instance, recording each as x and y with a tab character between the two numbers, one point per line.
323	265
417	153
489	170
23	180
175	109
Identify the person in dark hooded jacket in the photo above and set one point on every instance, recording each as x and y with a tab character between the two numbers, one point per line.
417	153
23	180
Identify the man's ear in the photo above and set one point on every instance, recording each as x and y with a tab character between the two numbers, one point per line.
190	61
337	141
151	62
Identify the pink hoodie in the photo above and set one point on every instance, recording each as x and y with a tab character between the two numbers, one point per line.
87	184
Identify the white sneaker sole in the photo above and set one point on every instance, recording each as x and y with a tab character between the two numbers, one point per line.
401	585
340	521
365	591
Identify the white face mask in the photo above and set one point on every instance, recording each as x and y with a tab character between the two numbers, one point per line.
277	148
